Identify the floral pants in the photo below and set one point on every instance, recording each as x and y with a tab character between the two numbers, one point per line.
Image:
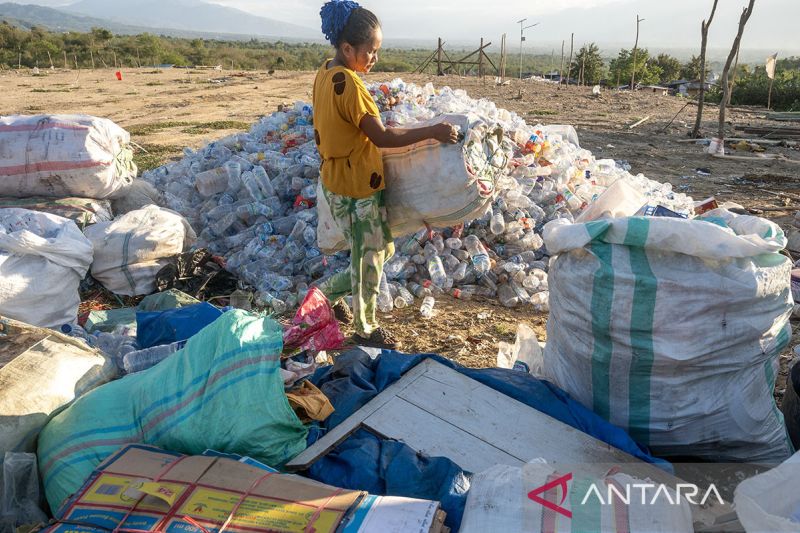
364	224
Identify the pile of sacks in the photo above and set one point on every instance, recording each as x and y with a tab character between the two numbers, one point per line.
67	173
254	197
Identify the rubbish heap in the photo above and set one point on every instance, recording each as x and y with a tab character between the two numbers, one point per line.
251	197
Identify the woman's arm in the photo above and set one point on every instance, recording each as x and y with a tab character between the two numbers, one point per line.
384	137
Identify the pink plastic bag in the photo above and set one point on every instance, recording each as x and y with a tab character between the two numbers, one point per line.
314	326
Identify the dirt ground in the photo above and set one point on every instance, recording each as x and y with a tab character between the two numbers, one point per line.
170	109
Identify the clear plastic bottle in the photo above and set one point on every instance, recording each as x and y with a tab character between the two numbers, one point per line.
434	289
143	359
454	243
460	272
220	226
414	244
426	309
507	296
263	182
274	281
480	258
234	171
498	223
240	299
403	298
436	271
74	330
212	181
298	230
462	294
250	185
265	299
253	210
418	290
540	301
385	301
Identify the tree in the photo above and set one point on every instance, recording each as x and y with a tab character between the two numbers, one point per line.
670	67
746	13
702	59
588	66
647	72
692	69
197	52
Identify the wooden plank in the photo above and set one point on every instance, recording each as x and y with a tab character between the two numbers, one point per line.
432	436
352	423
439	412
520	431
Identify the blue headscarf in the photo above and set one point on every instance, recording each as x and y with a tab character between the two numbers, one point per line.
334	16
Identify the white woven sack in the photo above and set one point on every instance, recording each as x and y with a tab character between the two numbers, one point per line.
59	156
43	259
770	502
430	182
672	329
46	370
131	250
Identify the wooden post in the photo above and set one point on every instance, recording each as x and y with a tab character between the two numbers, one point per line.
561	70
66	66
52	67
769	94
583	66
138	60
569	63
502	57
75	56
439	59
701	97
115	58
480	61
19	61
635	51
91	55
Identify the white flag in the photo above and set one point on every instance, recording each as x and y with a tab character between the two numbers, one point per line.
771	60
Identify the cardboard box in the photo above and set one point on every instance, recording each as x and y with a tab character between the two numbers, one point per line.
145	489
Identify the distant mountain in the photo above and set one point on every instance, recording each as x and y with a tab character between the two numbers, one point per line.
189	15
29	15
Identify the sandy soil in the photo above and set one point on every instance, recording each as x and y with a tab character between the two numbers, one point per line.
167	110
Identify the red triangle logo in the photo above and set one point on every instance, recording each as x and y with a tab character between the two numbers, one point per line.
559	482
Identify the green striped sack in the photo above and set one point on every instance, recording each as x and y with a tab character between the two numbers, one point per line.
672	329
222	391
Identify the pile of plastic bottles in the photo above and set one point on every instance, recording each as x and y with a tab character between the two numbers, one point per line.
251	198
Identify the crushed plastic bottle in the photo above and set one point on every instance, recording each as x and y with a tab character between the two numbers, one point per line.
143	359
426	309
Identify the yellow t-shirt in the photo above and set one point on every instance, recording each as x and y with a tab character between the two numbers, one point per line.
351	164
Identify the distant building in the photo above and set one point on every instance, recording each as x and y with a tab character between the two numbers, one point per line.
655	89
688	87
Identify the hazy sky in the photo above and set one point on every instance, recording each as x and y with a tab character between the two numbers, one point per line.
774	26
671	23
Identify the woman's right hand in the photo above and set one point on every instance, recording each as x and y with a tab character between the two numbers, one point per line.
445	133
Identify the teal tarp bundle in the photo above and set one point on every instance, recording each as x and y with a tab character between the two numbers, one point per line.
222	391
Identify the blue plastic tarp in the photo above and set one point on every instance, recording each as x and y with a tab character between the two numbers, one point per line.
155	328
383	466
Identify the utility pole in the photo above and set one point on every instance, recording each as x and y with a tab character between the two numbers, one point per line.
635	50
521	40
569	63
